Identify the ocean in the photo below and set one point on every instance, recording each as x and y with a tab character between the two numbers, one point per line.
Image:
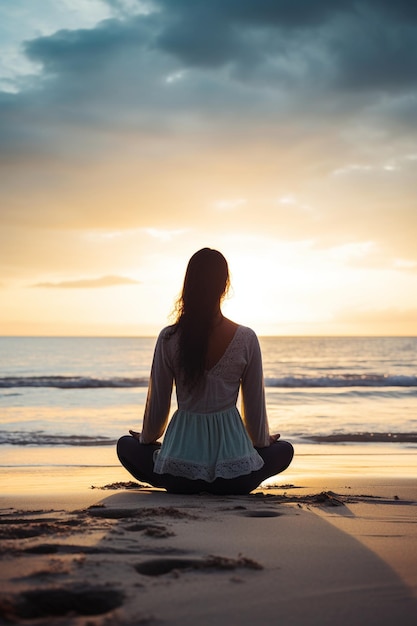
64	401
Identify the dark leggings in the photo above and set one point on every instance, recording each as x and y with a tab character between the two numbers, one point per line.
137	458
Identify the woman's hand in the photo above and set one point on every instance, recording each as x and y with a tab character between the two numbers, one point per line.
273	438
137	435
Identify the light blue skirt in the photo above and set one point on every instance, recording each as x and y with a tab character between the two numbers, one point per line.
206	446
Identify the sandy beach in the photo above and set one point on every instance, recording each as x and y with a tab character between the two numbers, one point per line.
320	550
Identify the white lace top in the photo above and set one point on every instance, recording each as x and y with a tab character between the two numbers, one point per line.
207	438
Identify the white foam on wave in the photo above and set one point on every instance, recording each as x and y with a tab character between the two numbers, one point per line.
331	380
343	380
41	438
71	382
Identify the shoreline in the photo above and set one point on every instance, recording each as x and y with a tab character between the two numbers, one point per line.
53	470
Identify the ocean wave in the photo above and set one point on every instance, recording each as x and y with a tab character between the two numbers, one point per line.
71	382
343	380
41	438
331	380
365	437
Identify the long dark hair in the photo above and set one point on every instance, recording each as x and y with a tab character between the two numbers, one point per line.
206	283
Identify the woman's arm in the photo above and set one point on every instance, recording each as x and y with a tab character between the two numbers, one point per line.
158	401
253	397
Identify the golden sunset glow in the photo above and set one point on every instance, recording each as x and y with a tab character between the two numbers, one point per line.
129	142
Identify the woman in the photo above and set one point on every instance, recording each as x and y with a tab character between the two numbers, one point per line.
207	446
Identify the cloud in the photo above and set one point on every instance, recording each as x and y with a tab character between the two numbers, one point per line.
405	265
230	204
152	81
344	44
231	28
89	283
164	234
248	55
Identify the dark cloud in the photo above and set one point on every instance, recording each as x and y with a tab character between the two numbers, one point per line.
372	52
266	13
211	34
218	63
245	59
89	283
88	50
333	45
364	45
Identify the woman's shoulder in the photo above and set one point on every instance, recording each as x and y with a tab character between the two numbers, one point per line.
167	332
246	331
245	337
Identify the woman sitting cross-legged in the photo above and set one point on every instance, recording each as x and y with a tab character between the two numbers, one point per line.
208	445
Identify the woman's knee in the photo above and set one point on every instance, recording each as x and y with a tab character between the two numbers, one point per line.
276	457
287	448
286	452
125	445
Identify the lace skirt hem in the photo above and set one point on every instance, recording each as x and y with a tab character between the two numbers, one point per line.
224	469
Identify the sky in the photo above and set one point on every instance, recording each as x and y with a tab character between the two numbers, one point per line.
283	134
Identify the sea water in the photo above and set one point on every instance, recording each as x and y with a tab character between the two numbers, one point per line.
65	401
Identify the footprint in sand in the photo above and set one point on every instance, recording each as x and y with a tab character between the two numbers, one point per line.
40	603
261	513
151	530
159	567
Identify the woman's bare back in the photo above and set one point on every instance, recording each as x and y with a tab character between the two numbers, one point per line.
220	337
